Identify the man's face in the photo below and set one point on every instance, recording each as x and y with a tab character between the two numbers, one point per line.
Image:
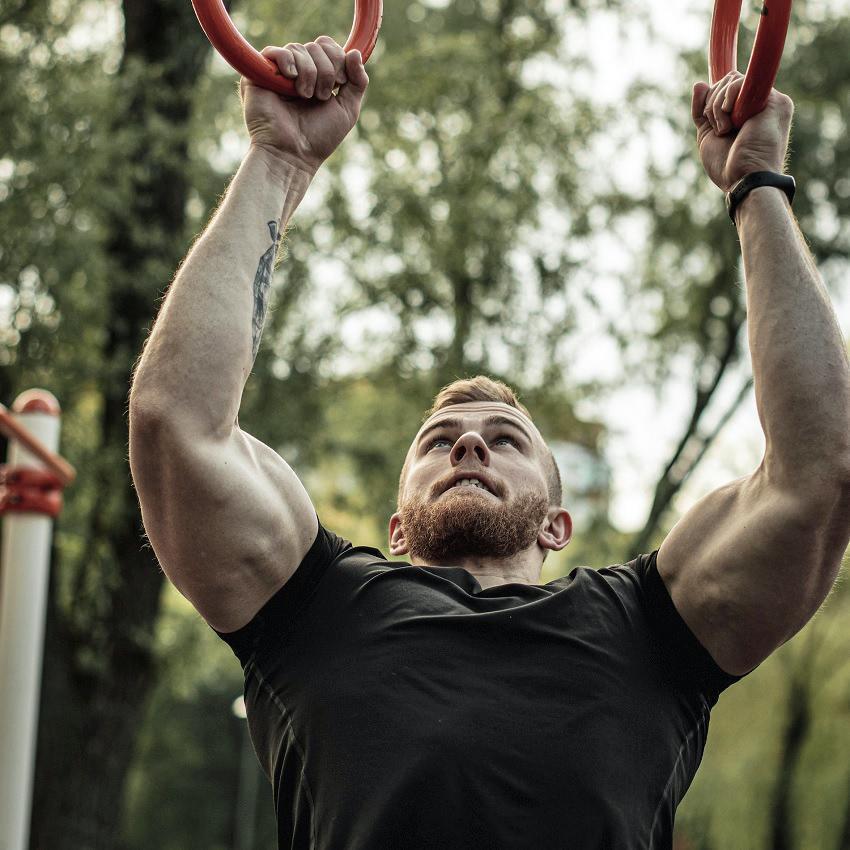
443	515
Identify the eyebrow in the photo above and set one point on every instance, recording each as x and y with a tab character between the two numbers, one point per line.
457	424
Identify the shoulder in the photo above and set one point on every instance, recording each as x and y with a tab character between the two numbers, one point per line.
683	654
630	601
330	569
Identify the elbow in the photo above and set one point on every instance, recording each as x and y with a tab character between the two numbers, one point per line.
145	417
146	429
835	474
820	478
843	470
151	417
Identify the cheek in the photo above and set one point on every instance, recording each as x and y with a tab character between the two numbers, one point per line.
422	474
533	478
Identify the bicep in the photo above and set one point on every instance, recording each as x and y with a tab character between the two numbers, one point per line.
750	564
227	518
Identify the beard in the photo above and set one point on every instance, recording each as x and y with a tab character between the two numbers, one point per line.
458	525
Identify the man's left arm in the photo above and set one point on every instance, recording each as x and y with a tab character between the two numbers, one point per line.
750	563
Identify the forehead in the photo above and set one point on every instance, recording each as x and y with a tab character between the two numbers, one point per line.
474	414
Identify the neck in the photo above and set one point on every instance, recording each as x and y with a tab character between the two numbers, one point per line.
522	568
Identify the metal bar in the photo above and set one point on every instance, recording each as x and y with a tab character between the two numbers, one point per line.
54	462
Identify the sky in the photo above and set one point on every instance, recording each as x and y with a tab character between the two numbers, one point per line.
643	429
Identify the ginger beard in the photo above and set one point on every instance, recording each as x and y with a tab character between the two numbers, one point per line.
461	524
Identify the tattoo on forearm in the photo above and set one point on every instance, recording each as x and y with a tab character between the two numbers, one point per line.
262	283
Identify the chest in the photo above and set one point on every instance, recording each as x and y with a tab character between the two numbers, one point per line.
542	692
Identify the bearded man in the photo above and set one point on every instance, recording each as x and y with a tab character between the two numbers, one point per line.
452	701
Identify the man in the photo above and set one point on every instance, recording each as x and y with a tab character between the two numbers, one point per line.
453	701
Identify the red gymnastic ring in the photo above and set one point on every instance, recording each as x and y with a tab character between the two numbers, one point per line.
228	41
765	58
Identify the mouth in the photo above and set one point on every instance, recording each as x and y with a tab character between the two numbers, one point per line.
469	485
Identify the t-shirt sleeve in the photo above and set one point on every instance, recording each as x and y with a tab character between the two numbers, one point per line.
687	661
287	602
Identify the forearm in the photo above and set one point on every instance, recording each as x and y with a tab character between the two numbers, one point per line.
205	339
799	357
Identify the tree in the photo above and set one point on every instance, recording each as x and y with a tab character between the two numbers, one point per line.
99	193
120	243
692	260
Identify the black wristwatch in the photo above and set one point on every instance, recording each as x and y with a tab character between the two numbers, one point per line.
752	181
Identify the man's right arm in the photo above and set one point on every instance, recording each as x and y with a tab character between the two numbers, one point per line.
227	518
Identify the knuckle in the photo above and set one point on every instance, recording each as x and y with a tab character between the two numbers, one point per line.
315	51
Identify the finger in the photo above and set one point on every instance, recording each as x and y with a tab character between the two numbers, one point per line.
351	93
305	67
283	58
709	102
336	54
732	92
325	71
720	119
698	97
725	95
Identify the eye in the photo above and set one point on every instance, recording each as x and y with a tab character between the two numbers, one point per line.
511	440
434	442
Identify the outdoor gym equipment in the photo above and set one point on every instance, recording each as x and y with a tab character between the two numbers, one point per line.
30	498
764	60
228	41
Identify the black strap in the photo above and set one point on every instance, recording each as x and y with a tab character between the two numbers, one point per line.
752	181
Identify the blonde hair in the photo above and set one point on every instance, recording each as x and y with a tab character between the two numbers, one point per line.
482	388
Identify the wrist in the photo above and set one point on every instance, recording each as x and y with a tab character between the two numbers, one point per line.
753	181
283	166
743	169
759	201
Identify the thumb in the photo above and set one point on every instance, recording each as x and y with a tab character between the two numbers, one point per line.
350	94
700	93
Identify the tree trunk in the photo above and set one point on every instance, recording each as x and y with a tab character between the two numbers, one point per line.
99	665
844	840
796	732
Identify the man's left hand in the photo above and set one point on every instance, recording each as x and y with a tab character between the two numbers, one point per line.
728	154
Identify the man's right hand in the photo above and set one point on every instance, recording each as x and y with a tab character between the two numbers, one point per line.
305	130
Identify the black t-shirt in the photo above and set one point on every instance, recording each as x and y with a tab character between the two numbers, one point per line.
395	706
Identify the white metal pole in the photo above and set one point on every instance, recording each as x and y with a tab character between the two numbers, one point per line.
24	566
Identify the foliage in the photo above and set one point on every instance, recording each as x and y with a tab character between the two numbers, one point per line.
189	744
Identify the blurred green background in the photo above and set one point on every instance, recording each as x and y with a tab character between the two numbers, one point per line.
494	211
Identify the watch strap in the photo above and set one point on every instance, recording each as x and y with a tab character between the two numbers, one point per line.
751	181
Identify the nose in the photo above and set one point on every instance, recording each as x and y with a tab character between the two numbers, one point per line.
472	444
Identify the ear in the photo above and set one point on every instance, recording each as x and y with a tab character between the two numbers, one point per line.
558	530
398	544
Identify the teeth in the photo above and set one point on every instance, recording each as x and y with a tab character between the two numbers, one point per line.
470	482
